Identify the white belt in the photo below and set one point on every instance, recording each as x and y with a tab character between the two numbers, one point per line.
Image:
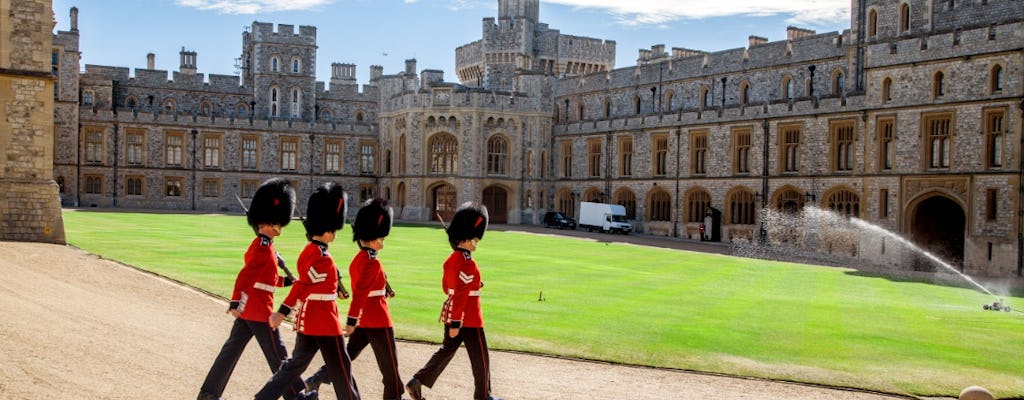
377	293
264	286
322	296
472	293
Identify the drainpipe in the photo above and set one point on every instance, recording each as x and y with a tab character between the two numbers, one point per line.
114	191
764	174
679	148
194	186
1020	195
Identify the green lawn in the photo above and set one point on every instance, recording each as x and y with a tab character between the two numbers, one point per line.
637	305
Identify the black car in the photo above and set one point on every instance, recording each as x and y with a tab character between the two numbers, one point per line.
558	220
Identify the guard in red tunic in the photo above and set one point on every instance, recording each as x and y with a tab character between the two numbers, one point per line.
463	319
312	302
369	320
252	300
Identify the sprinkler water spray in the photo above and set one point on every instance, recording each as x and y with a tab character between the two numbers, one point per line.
996	306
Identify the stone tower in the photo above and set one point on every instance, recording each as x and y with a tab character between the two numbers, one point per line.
280	67
29	202
516	9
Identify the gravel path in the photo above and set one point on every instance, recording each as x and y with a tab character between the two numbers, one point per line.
79	327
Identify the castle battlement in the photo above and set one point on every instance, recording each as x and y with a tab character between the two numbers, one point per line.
285	34
189	121
950	44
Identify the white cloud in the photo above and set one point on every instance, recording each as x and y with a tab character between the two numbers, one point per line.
653	12
252	6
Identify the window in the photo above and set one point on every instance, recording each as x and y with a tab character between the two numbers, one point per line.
55	71
636	104
273	102
247	187
991	204
87	97
705	99
787	87
402	154
211	187
296	65
626	156
173	186
842	138
669	95
938	138
131	103
844	202
241	110
94	145
250	152
872	23
883	203
741	150
211	152
332	158
543	164
627	200
790	148
296	103
529	164
886	143
443	153
274	67
497	156
325	116
607	108
996	78
580	111
886	90
133	186
660	206
169	106
904	18
660	154
594	158
205	108
697	204
387	162
994	138
744	92
566	159
838	83
94	184
366	192
699	152
174	144
134	146
939	84
742	208
289	153
368	158
360	116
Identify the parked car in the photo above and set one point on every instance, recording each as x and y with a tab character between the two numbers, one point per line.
554	219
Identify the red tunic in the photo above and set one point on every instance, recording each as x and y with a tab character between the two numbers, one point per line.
256	282
461	282
314	293
369	291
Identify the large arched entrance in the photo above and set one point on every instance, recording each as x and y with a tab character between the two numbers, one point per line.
496	200
938	226
443	201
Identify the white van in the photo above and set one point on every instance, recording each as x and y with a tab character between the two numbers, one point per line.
604	217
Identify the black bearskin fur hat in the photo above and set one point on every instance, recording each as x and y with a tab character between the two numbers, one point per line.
469	221
273	203
326	210
373	221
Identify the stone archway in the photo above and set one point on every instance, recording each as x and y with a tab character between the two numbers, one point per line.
938	225
443	201
496	201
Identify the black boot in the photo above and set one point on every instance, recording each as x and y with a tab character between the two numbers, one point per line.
415	389
207	396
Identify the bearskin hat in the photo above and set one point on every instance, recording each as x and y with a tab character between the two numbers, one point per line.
326	210
273	203
469	221
373	220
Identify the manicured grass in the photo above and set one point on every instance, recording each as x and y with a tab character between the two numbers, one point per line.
637	305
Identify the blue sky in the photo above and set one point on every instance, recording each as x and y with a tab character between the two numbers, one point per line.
387	32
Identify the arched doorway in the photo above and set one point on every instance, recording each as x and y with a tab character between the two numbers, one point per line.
938	226
444	200
496	200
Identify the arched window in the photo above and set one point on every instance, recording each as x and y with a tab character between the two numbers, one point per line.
844	202
296	65
744	92
742	208
787	87
169	106
789	201
580	111
274	64
360	116
838	82
996	78
497	156
205	108
444	151
607	108
636	104
872	23
887	90
904	18
296	103
325	116
274	106
626	198
697	204
939	84
131	103
402	153
668	100
659	206
705	100
241	110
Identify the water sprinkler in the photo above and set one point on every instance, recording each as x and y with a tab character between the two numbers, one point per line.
996	306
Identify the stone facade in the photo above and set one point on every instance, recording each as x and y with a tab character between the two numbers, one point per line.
29	208
910	119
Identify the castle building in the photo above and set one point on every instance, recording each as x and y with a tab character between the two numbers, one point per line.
910	119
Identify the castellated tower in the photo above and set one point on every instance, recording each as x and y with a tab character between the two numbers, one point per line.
518	43
280	68
29	201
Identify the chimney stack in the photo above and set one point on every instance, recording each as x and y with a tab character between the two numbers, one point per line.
74	19
150	61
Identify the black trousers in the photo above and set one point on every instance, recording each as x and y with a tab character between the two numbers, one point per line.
382	341
476	348
242	331
339	367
